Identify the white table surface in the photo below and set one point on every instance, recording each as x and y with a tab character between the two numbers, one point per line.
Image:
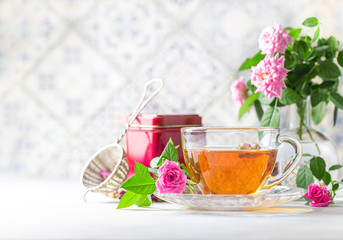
46	209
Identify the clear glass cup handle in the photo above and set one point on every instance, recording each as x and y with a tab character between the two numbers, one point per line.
272	181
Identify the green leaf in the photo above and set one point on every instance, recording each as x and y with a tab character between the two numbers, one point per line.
295	33
320	48
312	56
183	166
154	171
322	41
188	181
328	69
277	102
307	201
327	84
250	86
333	43
307	155
258	109
305	89
310	22
304	177
340	58
317	97
244	65
335	187
144	201
319	112
264	100
300	70
185	172
184	169
329	55
327	178
336	99
302	48
142	184
316	35
289	59
335	167
289	63
335	113
305	38
154	161
169	152
128	199
317	166
271	118
247	104
140	169
248	63
289	96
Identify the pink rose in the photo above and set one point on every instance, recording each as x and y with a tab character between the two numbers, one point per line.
268	76
319	195
239	91
274	39
171	179
105	174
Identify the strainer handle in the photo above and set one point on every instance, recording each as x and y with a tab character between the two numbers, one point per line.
142	103
84	195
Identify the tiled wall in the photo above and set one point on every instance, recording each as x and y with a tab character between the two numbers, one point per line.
71	70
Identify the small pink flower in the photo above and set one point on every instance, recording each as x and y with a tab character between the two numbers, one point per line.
319	195
171	179
105	174
274	39
268	76
239	91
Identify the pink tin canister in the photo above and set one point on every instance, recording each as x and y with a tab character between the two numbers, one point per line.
149	133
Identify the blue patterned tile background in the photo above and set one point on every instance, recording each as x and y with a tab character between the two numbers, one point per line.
71	70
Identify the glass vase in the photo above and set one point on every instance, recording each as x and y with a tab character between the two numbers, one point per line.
299	125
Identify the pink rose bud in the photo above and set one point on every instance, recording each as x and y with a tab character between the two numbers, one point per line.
274	39
268	76
239	91
319	195
119	193
171	179
255	146
105	174
155	199
243	146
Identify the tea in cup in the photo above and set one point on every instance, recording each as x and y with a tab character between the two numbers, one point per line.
235	160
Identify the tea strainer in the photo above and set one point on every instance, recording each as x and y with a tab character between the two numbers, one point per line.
112	158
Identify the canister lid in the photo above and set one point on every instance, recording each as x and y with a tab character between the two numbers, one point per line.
170	120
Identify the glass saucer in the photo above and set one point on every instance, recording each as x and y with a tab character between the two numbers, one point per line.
276	196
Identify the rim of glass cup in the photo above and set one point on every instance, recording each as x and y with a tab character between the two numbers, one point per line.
195	129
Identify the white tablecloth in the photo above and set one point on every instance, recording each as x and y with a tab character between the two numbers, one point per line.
46	209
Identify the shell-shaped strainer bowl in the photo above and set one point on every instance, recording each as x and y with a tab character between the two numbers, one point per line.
111	158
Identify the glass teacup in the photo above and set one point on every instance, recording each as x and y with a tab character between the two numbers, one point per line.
236	160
